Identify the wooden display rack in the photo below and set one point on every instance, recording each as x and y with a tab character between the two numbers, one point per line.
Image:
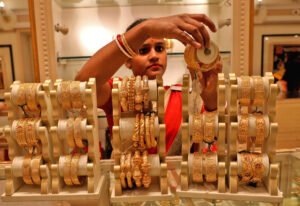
123	129
13	172
89	163
187	187
268	191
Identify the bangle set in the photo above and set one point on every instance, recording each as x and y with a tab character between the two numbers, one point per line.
259	91
31	169
251	167
245	91
243	128
70	170
135	169
197	173
25	133
144	133
74	130
25	95
209	127
124	47
260	128
70	94
197	129
211	161
134	93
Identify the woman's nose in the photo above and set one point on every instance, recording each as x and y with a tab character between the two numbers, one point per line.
153	55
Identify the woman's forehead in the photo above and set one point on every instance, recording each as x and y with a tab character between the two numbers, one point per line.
153	41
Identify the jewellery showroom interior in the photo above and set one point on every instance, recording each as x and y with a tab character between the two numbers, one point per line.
55	146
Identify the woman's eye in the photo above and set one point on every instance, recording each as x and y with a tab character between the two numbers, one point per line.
144	50
159	48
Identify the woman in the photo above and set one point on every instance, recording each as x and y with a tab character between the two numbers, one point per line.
145	38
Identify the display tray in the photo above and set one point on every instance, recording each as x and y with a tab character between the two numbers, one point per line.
28	193
210	191
142	194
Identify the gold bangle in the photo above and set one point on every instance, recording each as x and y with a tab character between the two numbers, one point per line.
190	57
246	168
26	170
209	127
259	91
260	129
211	161
74	170
122	174
131	93
145	167
65	95
19	94
137	175
30	133
75	94
35	169
145	92
136	134
245	91
70	132
197	135
243	129
31	97
127	47
124	94
67	170
77	132
138	98
19	129
142	132
147	131
257	168
152	130
197	173
128	169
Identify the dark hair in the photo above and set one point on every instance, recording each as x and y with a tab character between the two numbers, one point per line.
136	22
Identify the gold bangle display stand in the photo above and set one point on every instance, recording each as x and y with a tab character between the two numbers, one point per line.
75	117
121	140
27	137
211	181
267	190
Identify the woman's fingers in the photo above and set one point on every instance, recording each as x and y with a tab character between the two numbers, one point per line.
185	38
205	20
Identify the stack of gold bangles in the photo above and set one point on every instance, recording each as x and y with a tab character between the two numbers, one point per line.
74	131
209	127
135	169
245	91
259	91
251	167
211	161
70	170
197	173
243	128
144	134
260	128
31	169
197	136
134	93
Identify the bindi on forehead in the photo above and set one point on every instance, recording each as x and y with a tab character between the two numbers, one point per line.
152	41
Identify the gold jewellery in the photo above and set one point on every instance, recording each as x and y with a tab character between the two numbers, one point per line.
243	129
67	170
197	136
259	91
35	169
211	160
124	94
260	128
197	172
27	170
75	94
74	170
245	91
209	127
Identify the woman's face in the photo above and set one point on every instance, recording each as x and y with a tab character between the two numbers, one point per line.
151	59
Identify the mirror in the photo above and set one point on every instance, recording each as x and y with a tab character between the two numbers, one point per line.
92	24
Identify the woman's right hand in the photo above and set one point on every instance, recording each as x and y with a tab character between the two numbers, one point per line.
187	28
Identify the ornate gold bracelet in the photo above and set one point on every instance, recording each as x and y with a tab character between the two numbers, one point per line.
258	168
31	139
245	91
26	170
20	128
152	130
128	169
243	129
211	161
20	95
36	162
77	133
146	92
145	167
260	129
65	95
67	170
75	94
190	57
142	132
124	94
259	91
138	99
137	175
123	171
209	127
31	96
136	134
131	93
197	172
70	132
246	170
74	169
147	131
197	136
